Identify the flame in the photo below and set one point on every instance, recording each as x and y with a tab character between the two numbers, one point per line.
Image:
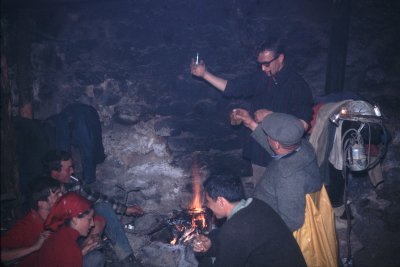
196	208
196	202
196	211
173	241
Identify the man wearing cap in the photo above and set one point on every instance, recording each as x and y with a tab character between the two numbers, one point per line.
275	88
294	171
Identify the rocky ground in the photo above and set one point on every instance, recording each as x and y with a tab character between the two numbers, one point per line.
130	60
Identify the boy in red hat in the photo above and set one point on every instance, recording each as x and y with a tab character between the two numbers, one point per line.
70	218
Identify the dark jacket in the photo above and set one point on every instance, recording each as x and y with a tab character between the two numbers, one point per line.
291	94
256	236
79	125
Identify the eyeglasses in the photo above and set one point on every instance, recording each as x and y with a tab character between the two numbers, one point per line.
267	63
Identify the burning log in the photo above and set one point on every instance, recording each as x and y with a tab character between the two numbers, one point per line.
185	225
180	228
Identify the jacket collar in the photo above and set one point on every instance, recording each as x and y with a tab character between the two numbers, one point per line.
296	161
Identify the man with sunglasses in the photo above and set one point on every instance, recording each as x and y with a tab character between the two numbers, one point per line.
277	88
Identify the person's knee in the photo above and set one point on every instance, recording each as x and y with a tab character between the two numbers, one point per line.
102	206
94	258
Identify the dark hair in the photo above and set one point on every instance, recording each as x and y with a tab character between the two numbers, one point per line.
273	43
291	147
80	216
228	187
83	214
52	160
40	189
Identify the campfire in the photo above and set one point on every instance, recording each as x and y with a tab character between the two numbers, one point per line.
185	233
183	226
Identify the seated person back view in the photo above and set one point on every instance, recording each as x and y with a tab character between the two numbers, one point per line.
253	234
294	171
21	243
290	180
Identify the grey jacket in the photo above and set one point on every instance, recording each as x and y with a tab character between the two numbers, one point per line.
287	180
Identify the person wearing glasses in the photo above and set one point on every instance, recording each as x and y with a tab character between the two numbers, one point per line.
276	88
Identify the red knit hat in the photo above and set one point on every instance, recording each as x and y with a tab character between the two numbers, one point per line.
67	207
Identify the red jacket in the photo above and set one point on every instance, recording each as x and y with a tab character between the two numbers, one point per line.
24	233
61	249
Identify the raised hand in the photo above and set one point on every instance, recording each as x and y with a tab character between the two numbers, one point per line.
243	115
42	237
198	69
90	243
201	243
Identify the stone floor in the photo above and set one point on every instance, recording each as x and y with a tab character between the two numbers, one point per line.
375	227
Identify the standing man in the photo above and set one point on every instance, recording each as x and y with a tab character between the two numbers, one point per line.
58	164
294	171
21	243
277	88
253	234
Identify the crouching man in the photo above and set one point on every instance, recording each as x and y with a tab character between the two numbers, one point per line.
253	234
58	165
20	244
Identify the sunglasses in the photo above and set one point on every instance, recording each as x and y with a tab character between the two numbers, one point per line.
266	63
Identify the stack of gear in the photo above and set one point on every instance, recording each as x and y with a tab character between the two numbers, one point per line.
359	132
